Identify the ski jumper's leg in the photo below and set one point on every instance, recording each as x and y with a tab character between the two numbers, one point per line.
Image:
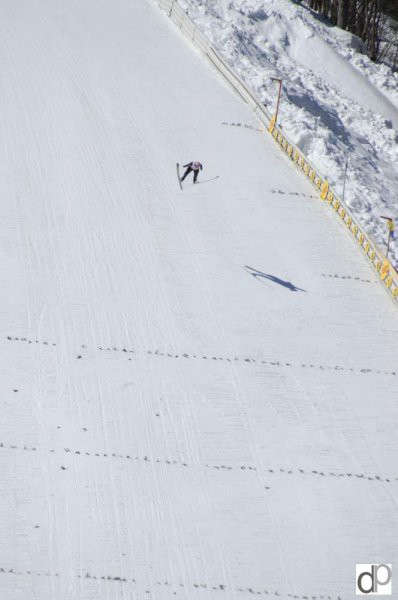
195	175
186	173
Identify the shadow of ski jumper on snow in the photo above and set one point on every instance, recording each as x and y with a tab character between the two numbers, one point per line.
287	284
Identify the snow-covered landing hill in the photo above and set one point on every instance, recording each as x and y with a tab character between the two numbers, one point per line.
198	388
336	102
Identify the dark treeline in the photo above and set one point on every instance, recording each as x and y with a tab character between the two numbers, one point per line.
374	21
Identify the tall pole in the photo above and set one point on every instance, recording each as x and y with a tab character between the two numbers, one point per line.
279	97
390	224
345	174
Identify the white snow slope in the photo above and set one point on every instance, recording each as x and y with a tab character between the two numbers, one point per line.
336	103
198	391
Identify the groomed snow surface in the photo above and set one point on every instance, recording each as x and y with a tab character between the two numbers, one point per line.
198	388
337	105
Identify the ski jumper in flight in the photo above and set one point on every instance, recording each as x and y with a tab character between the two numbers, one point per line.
194	166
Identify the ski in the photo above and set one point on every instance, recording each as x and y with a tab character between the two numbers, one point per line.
207	180
178	175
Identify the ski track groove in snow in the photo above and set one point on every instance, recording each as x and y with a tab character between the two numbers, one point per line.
238	395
